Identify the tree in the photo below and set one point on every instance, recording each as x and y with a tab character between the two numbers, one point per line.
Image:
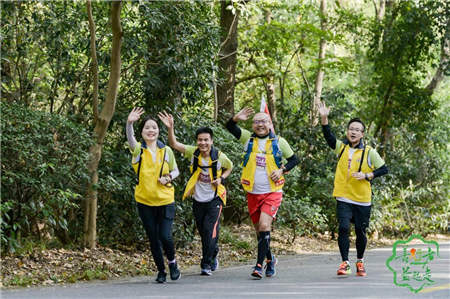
229	18
102	120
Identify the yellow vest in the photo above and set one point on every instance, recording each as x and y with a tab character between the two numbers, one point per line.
190	186
149	191
248	173
347	186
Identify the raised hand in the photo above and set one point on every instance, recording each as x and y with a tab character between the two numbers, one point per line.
324	111
244	114
135	114
166	118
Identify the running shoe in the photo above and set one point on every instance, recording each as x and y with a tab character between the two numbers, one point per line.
206	272
360	271
257	272
174	271
215	264
344	269
270	267
161	278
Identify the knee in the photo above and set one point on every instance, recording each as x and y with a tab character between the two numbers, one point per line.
344	229
264	227
360	230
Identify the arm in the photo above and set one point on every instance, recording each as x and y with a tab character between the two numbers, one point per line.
378	164
324	111
292	161
233	128
227	165
134	115
167	120
242	115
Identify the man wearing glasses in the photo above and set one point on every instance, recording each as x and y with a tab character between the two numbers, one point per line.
358	164
262	179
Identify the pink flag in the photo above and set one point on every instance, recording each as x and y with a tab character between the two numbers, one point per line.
264	108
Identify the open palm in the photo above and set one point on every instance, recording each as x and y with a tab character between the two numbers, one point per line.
244	114
166	118
135	114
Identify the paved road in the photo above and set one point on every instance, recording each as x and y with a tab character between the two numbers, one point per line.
300	276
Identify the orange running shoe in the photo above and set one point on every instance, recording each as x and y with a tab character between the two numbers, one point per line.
360	271
344	269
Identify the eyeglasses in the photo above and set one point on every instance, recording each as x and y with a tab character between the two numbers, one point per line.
358	130
259	121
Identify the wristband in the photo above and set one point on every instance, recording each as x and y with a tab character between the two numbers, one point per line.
222	180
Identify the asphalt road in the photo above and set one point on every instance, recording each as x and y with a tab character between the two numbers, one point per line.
300	276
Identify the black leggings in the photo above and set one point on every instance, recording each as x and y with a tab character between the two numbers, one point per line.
359	215
157	221
207	219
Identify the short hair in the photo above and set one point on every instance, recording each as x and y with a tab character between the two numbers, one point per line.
356	120
202	130
144	120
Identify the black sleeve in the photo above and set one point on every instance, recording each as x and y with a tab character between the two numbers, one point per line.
233	128
380	171
329	137
292	161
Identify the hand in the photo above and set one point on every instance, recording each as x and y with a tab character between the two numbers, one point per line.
164	180
359	175
244	114
276	175
166	118
324	111
217	182
135	114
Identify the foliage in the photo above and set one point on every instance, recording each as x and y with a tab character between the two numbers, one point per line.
43	173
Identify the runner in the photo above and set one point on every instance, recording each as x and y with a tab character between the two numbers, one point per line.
155	166
262	179
358	164
209	169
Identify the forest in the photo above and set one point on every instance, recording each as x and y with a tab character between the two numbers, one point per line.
73	70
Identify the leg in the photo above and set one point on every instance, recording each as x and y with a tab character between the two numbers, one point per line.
264	225
344	214
362	216
211	229
148	216
199	215
165	231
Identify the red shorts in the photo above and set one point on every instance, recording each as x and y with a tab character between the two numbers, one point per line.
267	203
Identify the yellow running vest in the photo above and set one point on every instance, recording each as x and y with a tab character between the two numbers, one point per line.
248	173
190	186
149	191
347	186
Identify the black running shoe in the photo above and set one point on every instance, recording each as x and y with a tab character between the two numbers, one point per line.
174	271
161	277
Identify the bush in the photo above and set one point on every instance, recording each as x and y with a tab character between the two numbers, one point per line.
44	160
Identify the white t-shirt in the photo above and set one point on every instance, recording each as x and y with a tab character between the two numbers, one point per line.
203	188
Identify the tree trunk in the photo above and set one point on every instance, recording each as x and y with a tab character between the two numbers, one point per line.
227	61
270	85
101	126
314	117
444	62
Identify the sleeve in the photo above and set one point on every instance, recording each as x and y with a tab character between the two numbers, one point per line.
233	128
375	159
174	172
329	137
338	149
245	136
225	162
189	151
130	136
378	164
285	148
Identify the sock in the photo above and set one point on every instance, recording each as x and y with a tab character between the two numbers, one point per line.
263	246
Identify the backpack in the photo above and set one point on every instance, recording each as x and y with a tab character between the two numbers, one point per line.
275	149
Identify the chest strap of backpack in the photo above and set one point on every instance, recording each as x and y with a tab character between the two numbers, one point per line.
275	149
214	158
159	144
